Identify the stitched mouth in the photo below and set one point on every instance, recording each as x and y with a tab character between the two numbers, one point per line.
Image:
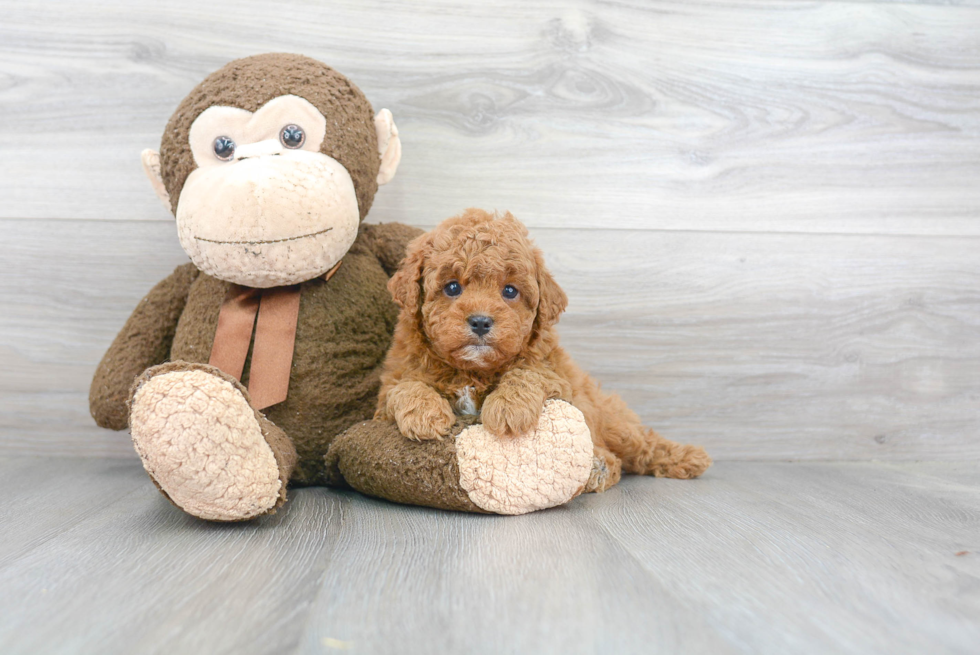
255	243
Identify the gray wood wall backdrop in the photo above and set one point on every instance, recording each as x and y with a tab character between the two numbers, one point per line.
766	214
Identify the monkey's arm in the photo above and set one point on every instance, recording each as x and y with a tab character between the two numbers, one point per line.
143	342
388	242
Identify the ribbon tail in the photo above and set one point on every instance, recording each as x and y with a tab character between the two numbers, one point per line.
234	332
275	338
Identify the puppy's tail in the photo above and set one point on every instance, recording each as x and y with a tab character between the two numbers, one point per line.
665	458
644	452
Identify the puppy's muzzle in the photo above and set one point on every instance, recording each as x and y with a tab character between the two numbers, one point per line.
479	324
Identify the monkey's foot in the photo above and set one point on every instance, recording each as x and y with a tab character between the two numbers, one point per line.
471	470
205	447
514	475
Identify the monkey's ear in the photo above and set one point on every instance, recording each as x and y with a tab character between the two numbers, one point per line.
389	146
151	166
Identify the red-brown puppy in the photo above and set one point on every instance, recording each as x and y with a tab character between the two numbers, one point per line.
476	335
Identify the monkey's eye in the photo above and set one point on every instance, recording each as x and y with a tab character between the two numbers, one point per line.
224	148
292	136
510	292
453	289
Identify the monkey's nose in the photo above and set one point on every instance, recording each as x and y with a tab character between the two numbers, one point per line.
258	149
480	324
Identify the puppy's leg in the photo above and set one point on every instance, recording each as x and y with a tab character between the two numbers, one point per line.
514	407
419	410
606	470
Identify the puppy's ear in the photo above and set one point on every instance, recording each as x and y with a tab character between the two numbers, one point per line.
552	301
406	284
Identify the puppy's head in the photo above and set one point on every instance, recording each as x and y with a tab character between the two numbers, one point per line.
477	290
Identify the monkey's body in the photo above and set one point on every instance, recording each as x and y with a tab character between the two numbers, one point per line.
343	331
342	334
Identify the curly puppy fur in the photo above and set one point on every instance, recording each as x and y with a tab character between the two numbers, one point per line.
444	360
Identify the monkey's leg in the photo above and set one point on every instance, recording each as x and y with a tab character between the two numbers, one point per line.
472	469
205	447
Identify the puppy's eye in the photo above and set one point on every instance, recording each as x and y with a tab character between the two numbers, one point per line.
224	148
292	136
510	292
453	289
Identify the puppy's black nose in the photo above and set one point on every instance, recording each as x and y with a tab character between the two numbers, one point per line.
480	324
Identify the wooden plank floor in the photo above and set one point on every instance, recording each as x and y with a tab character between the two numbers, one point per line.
753	558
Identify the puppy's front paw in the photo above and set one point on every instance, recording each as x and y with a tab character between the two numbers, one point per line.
509	417
426	419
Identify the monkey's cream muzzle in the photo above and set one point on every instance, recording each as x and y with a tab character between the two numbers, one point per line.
268	220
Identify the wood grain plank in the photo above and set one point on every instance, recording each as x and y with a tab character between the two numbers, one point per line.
739	561
44	498
752	558
810	558
965	472
412	580
748	116
815	347
67	288
771	346
140	576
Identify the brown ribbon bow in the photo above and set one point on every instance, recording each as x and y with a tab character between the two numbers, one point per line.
277	309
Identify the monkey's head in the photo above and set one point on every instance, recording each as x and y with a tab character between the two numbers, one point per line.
270	164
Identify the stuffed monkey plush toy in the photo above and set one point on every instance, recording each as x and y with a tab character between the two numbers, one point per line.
236	373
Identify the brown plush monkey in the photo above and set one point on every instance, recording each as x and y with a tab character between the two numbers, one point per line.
236	373
269	165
